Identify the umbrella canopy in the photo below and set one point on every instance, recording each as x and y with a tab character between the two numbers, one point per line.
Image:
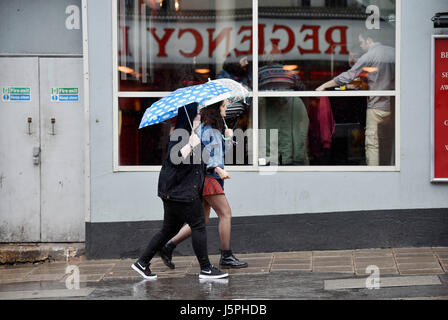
203	94
237	93
236	107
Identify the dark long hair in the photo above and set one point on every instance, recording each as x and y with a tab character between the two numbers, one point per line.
211	115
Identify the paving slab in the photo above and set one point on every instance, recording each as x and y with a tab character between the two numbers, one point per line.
93	270
373	251
11	281
415	256
373	255
254	255
363	266
291	261
44	277
374	259
294	254
334	269
418	266
382	271
412	249
361	283
13	276
440	249
45	294
291	267
417	259
83	278
332	261
334	253
10	272
421	271
247	270
19	266
40	271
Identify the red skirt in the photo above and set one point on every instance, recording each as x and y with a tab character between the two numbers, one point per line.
212	187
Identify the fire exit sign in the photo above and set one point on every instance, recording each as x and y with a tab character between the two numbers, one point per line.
64	94
16	94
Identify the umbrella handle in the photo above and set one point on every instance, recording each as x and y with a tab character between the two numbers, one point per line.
225	124
227	138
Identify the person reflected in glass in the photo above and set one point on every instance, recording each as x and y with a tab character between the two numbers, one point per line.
238	71
378	62
216	140
288	115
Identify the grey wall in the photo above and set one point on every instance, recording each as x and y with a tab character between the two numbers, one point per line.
38	27
131	196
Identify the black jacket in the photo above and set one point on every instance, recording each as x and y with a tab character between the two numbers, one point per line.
182	182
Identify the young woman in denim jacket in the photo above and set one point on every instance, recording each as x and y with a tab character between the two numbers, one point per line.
216	140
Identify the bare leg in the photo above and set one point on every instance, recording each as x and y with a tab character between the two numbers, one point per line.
221	206
183	234
207	208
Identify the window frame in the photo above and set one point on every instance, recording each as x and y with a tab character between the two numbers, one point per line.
256	94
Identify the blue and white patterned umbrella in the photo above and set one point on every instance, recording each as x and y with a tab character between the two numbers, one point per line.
167	107
204	94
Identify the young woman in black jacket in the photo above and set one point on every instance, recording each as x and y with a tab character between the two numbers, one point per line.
180	187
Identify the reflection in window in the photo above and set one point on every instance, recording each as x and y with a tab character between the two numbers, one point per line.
147	146
318	41
166	44
303	45
326	131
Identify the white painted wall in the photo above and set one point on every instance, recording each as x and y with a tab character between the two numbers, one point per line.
132	196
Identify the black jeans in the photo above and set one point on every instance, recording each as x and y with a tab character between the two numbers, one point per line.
175	215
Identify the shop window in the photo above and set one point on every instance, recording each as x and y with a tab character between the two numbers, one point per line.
325	71
297	48
166	44
325	131
147	146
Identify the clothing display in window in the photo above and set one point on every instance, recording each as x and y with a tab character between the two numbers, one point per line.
322	126
289	116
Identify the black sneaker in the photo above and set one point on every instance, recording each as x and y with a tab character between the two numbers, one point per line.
231	262
167	256
212	273
145	272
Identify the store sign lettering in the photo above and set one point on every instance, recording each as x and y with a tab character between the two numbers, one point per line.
207	42
335	39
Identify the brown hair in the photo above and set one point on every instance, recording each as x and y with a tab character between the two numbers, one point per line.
211	115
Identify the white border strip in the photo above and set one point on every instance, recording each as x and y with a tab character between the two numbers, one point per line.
397	94
160	94
116	138
255	85
268	169
85	49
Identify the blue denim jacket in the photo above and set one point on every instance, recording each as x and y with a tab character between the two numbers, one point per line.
216	148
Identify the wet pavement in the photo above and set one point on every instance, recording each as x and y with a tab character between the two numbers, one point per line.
406	273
